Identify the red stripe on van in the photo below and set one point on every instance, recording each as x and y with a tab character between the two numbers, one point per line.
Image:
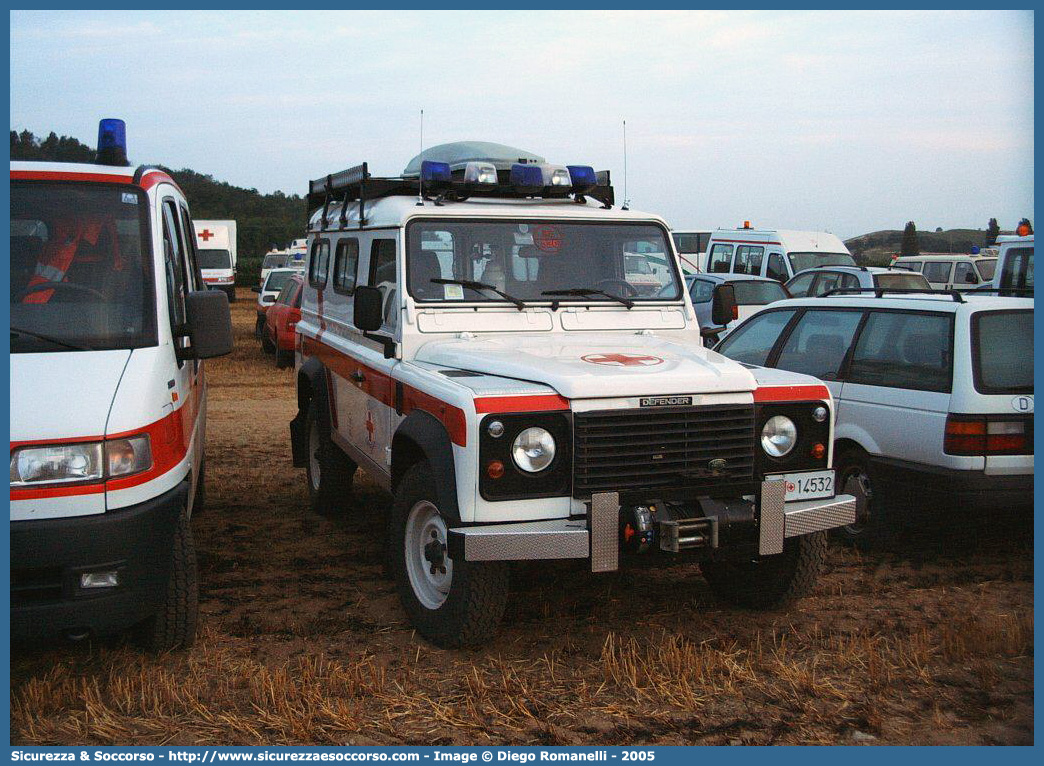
790	393
61	175
745	242
538	403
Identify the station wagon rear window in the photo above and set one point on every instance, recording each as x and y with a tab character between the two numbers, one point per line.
1002	352
907	281
81	267
214	259
527	259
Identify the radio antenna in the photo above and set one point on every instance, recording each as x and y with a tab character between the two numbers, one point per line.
420	185
626	201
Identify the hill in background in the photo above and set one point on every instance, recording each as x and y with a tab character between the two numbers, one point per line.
878	247
262	219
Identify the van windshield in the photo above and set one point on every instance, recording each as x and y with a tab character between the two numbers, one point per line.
1003	347
802	261
81	271
214	259
274	262
986	267
526	259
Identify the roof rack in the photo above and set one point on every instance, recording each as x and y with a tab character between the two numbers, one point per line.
880	291
356	184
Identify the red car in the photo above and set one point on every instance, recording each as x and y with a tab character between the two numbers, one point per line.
281	322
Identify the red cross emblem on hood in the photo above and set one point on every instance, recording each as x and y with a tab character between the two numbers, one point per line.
623	360
206	234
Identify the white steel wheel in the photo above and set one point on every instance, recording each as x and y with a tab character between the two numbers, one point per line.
314	444
428	567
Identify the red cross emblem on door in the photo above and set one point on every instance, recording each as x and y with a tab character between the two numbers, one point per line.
623	360
206	234
370	428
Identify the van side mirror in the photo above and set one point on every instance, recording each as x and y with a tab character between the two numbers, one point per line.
368	315
208	324
723	304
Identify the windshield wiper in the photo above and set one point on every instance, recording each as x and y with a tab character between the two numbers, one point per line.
472	285
584	292
17	331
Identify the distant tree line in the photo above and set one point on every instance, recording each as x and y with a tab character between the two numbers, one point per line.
877	248
262	219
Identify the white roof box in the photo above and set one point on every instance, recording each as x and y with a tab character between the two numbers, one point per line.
459	153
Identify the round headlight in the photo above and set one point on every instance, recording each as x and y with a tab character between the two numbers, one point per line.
778	435
533	450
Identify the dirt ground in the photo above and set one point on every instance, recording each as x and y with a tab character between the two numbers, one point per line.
302	639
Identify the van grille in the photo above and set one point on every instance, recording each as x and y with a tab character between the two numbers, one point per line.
36	586
621	450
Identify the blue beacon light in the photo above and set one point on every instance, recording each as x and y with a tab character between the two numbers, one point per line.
112	142
435	172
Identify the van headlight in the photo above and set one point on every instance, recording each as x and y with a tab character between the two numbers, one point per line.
84	462
533	450
778	436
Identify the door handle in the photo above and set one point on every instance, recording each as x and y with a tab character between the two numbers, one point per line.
358	377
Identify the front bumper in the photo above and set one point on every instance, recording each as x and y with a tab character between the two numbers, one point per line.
597	536
48	557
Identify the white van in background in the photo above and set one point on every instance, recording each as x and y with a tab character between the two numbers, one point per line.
297	253
775	253
951	271
1014	270
216	245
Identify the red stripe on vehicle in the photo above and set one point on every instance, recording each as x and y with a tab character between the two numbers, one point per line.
745	242
152	178
63	175
381	387
790	393
538	403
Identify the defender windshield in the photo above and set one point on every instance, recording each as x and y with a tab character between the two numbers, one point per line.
802	261
214	259
81	270
528	259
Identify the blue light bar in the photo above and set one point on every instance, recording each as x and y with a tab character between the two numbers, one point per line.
112	142
529	176
581	175
435	172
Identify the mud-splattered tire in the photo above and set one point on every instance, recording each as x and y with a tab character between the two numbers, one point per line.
770	581
855	477
461	605
329	471
174	625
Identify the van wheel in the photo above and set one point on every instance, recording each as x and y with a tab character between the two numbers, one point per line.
854	478
231	293
328	470
451	603
174	625
771	580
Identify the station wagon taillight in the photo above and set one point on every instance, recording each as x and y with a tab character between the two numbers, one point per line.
980	435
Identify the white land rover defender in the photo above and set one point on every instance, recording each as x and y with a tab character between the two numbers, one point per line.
470	337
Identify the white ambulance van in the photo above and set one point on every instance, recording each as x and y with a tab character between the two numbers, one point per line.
110	322
1014	272
296	253
775	253
471	337
216	248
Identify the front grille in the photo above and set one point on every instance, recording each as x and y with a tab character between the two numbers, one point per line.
657	448
36	586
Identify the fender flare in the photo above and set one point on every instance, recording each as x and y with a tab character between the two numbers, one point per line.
311	384
422	437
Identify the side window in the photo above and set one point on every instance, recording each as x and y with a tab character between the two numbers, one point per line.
195	278
826	281
849	281
383	277
903	350
720	260
799	287
175	279
777	268
819	342
937	272
1017	270
702	290
286	292
319	263
748	259
297	294
964	274
752	341
346	261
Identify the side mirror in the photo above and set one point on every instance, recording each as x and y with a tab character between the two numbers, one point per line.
724	308
368	315
208	324
256	289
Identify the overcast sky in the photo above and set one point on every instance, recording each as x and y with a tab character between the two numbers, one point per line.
844	121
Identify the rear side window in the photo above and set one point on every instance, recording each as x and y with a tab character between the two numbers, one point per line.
798	287
346	260
319	263
819	342
720	259
752	292
904	350
752	342
902	281
1017	271
702	290
964	274
748	260
937	272
691	243
777	267
986	267
1002	352
908	266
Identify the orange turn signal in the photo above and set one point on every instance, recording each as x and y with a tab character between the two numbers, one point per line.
818	451
495	469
